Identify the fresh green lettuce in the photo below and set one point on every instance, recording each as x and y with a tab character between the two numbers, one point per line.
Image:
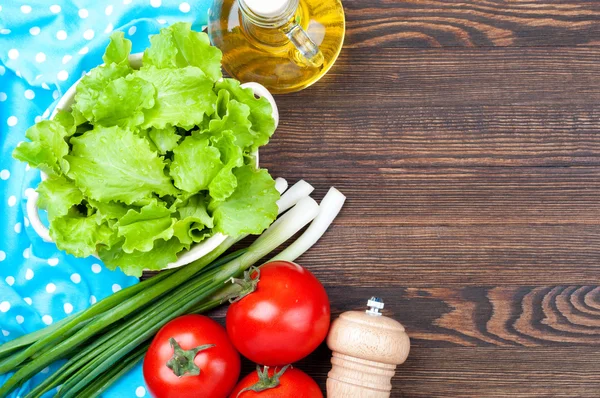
58	195
47	147
111	163
149	162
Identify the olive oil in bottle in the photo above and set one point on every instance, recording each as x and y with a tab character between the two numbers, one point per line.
285	45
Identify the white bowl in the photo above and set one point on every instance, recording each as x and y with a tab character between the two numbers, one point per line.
198	250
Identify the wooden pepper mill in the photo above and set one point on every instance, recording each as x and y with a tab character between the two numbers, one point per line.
366	347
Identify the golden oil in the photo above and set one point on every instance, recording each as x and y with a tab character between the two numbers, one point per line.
285	51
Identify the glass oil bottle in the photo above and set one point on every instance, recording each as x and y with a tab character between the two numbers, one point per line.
285	45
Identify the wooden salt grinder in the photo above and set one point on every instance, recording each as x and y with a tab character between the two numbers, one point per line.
366	349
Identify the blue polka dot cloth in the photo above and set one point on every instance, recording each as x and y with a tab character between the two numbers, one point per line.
45	47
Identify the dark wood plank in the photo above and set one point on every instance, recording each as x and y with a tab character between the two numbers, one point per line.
469	196
446	256
479	316
484	372
448	23
502	135
499	372
381	78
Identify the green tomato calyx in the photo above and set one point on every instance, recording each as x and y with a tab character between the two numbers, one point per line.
247	285
182	361
264	381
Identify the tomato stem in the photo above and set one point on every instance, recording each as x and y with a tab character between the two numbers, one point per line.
248	284
182	361
264	381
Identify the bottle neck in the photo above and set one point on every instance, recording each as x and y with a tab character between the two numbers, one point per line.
268	18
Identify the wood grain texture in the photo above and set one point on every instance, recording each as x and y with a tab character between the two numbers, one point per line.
466	136
389	78
456	256
448	23
503	135
477	372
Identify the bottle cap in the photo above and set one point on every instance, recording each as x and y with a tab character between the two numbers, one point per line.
267	8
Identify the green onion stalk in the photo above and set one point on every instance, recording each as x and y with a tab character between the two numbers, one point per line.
111	332
106	340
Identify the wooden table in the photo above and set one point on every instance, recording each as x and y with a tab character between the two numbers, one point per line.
466	136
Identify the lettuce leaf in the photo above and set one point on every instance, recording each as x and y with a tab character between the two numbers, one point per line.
118	49
192	218
91	86
183	97
163	253
47	148
260	116
67	120
78	234
235	120
122	102
225	182
109	212
179	46
141	228
58	195
109	163
251	208
164	140
195	164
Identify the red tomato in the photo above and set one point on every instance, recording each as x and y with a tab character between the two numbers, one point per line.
292	383
219	365
284	320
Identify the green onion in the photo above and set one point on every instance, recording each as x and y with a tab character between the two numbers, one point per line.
102	383
112	335
102	320
72	322
144	326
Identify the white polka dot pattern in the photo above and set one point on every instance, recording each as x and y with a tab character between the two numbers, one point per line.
50	47
88	34
62	75
184	7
